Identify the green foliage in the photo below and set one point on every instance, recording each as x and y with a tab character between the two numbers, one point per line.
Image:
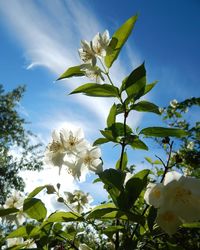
118	40
98	90
64	217
101	210
135	185
163	132
12	133
71	72
4	212
112	115
135	83
28	231
144	106
50	190
122	164
35	209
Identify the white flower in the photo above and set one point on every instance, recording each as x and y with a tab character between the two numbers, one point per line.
78	200
173	103
100	43
92	72
183	195
110	246
177	200
14	242
84	247
64	142
55	150
14	201
168	220
86	53
91	159
190	145
30	244
153	195
73	141
75	165
96	48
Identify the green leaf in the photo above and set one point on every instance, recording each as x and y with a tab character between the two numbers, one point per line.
149	87
98	90
151	217
135	142
35	209
192	225
135	83
27	231
112	115
124	162
157	162
117	130
96	180
145	106
113	182
118	40
149	160
101	210
125	215
110	230
163	132
37	190
7	211
108	135
136	75
72	71
100	141
64	217
135	185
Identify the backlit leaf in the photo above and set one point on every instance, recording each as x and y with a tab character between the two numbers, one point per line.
101	210
72	71
163	132
35	209
118	40
98	90
100	141
7	211
64	217
112	115
145	106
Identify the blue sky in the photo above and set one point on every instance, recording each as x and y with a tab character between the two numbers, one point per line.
39	40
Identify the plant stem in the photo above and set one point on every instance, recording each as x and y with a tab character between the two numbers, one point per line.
123	144
168	161
106	72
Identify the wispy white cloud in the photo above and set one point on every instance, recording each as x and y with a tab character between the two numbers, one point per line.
50	34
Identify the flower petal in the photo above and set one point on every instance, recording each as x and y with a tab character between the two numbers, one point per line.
154	194
171	176
168	220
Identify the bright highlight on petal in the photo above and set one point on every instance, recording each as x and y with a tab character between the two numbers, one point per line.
177	200
69	149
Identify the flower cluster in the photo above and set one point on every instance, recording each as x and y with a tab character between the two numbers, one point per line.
177	200
70	149
91	51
